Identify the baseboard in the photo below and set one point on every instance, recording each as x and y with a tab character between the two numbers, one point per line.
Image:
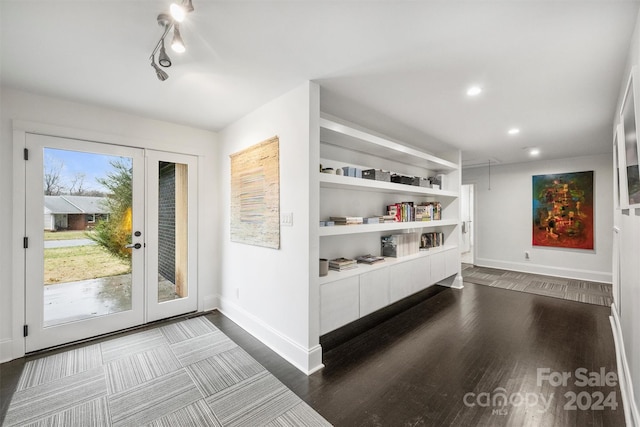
527	267
306	360
631	414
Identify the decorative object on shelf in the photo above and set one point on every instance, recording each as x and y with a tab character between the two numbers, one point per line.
255	195
329	171
352	172
324	267
170	21
339	171
377	175
631	152
563	210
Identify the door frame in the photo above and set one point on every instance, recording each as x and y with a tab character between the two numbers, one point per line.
19	129
473	187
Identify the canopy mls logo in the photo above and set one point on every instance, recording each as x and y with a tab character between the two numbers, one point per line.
500	401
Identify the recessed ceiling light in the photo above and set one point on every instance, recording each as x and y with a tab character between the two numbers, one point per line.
474	91
513	131
534	152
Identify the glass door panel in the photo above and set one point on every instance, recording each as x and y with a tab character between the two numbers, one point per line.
87	212
84	269
171	237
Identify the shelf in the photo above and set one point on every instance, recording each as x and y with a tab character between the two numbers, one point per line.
360	184
388	261
346	136
339	230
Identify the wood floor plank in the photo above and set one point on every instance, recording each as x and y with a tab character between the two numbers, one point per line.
416	367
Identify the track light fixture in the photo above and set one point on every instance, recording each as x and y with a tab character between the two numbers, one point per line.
177	44
170	21
162	76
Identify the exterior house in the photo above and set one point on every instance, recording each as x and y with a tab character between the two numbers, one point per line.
73	212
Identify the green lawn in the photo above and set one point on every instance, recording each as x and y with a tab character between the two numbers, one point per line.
63	265
65	235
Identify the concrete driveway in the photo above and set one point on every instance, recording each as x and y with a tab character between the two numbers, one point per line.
49	244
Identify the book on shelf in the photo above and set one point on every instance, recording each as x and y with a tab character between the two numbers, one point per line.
347	220
372	220
402	212
400	245
431	240
369	259
340	264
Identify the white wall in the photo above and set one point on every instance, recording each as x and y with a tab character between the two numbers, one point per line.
628	222
503	219
102	125
267	291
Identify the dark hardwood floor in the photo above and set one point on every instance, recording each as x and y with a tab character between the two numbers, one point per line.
445	360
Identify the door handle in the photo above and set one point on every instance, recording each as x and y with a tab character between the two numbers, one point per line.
133	246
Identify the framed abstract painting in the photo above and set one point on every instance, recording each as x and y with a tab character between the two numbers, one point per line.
563	210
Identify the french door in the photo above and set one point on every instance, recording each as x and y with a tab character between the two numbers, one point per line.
118	246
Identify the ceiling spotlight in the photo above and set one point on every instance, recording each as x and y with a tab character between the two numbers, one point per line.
170	22
177	12
162	76
163	58
177	44
534	152
474	91
513	131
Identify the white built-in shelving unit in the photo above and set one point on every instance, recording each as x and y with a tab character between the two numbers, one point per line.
348	295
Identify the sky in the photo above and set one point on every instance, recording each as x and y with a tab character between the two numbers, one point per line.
75	162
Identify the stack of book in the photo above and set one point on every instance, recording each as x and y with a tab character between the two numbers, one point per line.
369	259
347	220
387	218
399	245
340	264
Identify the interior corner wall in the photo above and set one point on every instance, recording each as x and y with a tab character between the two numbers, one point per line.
503	219
628	223
267	291
120	128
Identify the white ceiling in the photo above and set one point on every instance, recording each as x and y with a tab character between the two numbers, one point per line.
551	68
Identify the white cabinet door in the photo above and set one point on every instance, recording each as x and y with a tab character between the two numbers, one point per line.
339	303
438	267
374	291
451	262
421	268
400	281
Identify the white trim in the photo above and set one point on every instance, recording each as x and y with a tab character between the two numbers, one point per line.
18	224
631	414
569	273
308	360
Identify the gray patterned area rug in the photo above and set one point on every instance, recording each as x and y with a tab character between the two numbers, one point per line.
558	287
183	374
